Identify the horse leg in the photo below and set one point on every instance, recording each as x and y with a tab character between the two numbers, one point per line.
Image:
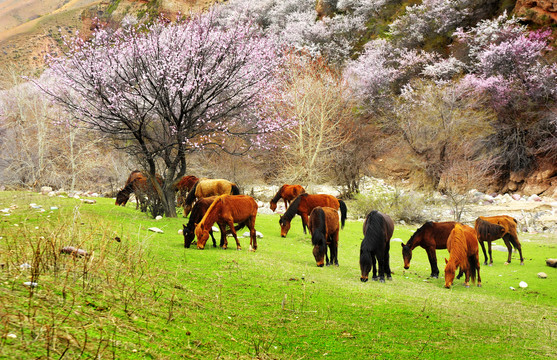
223	239
386	262
334	243
483	250
432	262
233	231
489	251
252	235
510	249
374	277
213	238
516	245
381	266
327	250
305	221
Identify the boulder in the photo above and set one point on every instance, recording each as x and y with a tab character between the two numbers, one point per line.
551	262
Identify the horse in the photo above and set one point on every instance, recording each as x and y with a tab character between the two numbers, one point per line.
430	236
287	193
378	230
141	186
304	204
227	210
490	228
208	187
197	212
183	186
324	226
463	249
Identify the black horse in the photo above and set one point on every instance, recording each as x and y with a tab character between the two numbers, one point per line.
378	230
324	227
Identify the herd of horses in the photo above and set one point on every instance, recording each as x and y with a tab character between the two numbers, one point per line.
210	201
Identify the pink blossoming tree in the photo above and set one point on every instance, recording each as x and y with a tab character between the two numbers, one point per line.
164	90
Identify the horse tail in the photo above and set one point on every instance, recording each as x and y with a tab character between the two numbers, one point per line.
473	263
343	212
235	190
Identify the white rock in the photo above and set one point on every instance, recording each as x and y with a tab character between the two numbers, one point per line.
159	217
180	232
12	336
512	288
156	229
24	266
542	275
396	240
30	284
257	234
523	285
215	229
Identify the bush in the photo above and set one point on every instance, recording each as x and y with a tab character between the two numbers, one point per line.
398	204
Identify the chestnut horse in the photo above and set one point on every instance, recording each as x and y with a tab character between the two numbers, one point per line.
208	187
183	186
490	228
141	186
287	193
463	249
304	204
323	226
227	210
378	230
431	236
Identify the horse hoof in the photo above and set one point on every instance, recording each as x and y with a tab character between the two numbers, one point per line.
507	263
319	265
390	278
467	286
381	280
434	276
490	264
238	248
522	263
479	285
363	279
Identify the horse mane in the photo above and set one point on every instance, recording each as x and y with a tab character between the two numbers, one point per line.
487	230
458	254
293	208
374	232
319	233
190	198
417	232
208	218
278	195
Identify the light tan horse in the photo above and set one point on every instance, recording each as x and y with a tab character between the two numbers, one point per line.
208	187
463	249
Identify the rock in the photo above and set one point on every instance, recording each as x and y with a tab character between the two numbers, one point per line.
89	201
30	284
24	266
257	234
156	230
180	232
45	190
159	217
523	284
215	229
542	275
515	197
551	262
72	250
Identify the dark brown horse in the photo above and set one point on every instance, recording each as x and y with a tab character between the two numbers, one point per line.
183	186
225	211
304	204
431	236
141	186
378	230
490	228
323	226
208	187
287	193
463	249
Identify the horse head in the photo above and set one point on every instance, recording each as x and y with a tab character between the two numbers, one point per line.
406	255
202	236
273	205
319	252
449	274
121	198
189	235
284	226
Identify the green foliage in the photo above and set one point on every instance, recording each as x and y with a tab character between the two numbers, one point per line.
398	204
112	7
148	297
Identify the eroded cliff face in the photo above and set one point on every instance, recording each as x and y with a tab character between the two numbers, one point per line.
542	12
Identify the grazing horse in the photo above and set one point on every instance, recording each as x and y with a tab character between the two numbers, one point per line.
227	210
287	193
463	249
183	186
197	213
208	187
490	228
324	226
431	236
378	230
141	186
304	204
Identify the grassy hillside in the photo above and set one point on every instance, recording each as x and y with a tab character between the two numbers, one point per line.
145	296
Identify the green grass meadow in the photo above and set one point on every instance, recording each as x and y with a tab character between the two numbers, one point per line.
147	297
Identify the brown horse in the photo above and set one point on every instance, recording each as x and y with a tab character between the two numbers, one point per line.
227	210
323	226
141	186
197	213
378	230
463	249
304	204
490	228
208	187
183	186
287	193
431	236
